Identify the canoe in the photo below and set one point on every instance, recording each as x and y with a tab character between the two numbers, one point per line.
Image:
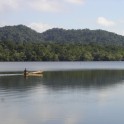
34	73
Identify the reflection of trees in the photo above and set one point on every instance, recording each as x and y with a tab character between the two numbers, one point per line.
87	78
18	82
70	79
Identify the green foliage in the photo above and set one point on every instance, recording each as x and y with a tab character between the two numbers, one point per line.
10	51
84	36
20	43
21	34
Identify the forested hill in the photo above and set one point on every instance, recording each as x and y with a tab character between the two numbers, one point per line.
20	43
21	33
84	36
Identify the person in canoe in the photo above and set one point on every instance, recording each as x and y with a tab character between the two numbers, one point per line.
25	72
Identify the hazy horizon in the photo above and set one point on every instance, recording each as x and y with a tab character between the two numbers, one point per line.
42	15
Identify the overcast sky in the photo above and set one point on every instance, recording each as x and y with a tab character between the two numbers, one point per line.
68	14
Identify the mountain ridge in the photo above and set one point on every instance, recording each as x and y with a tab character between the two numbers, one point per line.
22	33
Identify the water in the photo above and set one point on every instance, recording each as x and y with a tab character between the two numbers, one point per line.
77	96
55	66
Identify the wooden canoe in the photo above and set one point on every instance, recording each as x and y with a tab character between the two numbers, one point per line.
34	73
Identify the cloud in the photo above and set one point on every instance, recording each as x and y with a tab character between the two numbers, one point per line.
72	119
121	21
51	5
7	23
8	4
45	5
39	27
122	33
75	1
2	24
39	5
104	22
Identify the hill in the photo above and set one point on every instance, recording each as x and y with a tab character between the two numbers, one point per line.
84	36
20	43
21	33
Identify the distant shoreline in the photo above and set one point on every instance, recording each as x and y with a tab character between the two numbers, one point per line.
10	51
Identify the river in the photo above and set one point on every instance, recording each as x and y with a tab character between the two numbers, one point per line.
68	93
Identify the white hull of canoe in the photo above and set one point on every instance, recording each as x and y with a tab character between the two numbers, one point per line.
35	73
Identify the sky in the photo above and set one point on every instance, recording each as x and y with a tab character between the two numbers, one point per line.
42	15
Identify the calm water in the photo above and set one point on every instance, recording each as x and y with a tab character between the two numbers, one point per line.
55	66
74	95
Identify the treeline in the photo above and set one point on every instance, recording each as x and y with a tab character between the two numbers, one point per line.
83	36
11	51
19	34
22	34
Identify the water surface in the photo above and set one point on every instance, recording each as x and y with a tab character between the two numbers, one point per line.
63	97
55	66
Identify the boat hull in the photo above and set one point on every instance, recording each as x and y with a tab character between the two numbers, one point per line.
35	74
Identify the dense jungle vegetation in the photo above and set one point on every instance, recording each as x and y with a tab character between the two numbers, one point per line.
20	43
22	34
10	51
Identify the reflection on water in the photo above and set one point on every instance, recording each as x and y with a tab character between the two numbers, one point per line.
18	82
61	79
63	97
83	79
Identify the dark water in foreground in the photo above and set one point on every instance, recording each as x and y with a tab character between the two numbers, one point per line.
63	97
